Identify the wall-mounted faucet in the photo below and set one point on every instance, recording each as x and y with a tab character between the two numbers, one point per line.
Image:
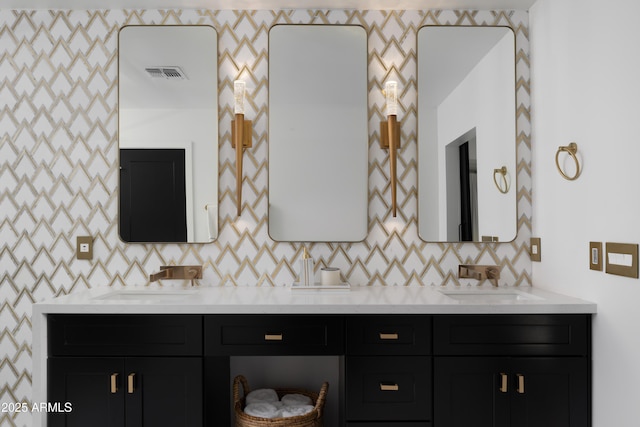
480	272
185	272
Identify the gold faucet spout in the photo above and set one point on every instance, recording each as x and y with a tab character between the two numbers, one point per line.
188	272
162	274
480	272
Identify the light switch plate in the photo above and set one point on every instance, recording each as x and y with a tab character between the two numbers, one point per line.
84	247
622	259
595	256
535	251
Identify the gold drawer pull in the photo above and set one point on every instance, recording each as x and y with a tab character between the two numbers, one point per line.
273	337
389	387
114	383
503	382
130	383
520	383
384	336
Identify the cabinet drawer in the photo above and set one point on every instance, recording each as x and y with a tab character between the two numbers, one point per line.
390	424
273	335
389	388
124	335
389	335
517	335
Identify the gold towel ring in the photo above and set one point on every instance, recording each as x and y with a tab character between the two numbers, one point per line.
503	173
571	149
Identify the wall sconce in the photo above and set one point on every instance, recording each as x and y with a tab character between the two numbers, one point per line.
241	131
390	136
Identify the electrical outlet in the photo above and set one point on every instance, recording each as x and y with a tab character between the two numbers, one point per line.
595	256
84	247
536	252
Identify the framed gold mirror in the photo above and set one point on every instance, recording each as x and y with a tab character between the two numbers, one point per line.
168	133
466	134
318	133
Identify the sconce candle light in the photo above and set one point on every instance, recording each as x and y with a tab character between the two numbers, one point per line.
241	131
390	136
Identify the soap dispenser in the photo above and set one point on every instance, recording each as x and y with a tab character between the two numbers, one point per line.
306	269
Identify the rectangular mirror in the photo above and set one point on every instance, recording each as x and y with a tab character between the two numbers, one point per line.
168	133
318	133
466	134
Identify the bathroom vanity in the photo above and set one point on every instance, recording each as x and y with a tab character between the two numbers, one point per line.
407	356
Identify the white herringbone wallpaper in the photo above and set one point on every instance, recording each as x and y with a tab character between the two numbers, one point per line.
59	155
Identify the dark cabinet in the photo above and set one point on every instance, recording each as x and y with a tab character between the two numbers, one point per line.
129	387
86	383
388	371
395	370
133	391
519	392
483	375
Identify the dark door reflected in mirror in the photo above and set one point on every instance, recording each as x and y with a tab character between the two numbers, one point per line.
152	195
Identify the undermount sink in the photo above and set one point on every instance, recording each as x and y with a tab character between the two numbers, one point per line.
148	295
490	295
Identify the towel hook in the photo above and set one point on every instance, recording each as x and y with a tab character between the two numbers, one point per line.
503	173
570	149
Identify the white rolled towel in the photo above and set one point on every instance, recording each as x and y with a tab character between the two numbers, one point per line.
294	411
262	395
296	399
262	410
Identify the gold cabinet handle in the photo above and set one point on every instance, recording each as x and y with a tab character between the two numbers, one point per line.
393	336
389	387
114	383
273	337
520	383
503	382
130	383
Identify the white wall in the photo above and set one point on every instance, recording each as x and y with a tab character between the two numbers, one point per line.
584	77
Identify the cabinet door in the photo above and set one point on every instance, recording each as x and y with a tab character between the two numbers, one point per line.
86	383
163	391
467	392
550	392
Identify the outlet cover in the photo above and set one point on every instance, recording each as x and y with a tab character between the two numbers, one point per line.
535	251
595	256
84	247
621	259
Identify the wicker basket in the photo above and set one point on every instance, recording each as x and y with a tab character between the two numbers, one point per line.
312	419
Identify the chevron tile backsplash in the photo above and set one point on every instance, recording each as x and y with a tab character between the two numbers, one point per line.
59	171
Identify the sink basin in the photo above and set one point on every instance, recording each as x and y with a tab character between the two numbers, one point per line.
142	295
490	295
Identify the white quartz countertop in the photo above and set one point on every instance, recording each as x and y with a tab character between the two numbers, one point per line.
282	300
